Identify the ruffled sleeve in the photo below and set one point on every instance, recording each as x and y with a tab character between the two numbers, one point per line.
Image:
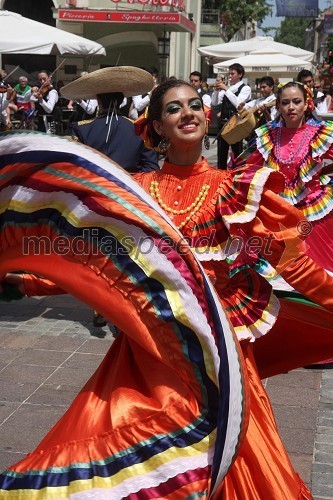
283	230
246	295
238	202
270	234
323	140
239	198
265	142
320	149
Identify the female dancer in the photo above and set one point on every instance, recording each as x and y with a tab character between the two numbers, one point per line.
298	145
235	222
207	206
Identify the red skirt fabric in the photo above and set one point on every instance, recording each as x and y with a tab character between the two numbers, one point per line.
320	242
301	336
262	469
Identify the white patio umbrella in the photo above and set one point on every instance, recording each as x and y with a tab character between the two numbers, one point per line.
260	63
20	35
230	50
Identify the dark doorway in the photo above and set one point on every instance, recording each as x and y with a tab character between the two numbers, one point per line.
40	11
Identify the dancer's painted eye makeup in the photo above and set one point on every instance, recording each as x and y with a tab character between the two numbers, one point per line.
286	102
174	107
196	104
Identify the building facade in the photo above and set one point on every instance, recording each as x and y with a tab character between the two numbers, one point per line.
161	33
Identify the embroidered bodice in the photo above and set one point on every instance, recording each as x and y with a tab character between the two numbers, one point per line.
299	154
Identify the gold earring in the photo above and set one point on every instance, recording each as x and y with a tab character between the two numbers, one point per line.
206	141
163	145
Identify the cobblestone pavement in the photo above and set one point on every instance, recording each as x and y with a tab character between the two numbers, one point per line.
49	348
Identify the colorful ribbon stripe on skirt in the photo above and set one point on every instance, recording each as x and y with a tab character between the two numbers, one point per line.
164	414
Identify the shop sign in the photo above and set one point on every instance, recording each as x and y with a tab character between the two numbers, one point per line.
128	16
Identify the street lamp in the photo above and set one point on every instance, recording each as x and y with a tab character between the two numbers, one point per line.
163	52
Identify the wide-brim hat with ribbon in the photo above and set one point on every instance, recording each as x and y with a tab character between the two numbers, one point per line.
126	79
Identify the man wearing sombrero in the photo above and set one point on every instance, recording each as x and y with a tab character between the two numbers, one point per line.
111	133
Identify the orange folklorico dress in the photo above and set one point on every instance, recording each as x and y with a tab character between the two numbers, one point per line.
238	227
244	206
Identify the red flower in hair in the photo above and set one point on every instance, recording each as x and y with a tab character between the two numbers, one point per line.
140	124
208	113
309	97
142	127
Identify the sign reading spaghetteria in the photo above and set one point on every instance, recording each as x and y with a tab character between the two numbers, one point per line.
171	19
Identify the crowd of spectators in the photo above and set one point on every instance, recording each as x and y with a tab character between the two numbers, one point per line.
25	108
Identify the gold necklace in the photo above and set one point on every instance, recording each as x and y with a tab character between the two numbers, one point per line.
190	210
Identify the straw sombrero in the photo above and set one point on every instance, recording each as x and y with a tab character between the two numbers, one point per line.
126	79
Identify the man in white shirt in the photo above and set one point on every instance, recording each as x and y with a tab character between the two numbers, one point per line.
266	87
306	77
229	98
5	98
265	106
196	82
89	106
140	102
45	99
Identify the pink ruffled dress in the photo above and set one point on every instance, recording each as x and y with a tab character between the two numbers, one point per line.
304	156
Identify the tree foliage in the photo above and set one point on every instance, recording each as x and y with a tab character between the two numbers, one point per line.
235	13
292	31
330	42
